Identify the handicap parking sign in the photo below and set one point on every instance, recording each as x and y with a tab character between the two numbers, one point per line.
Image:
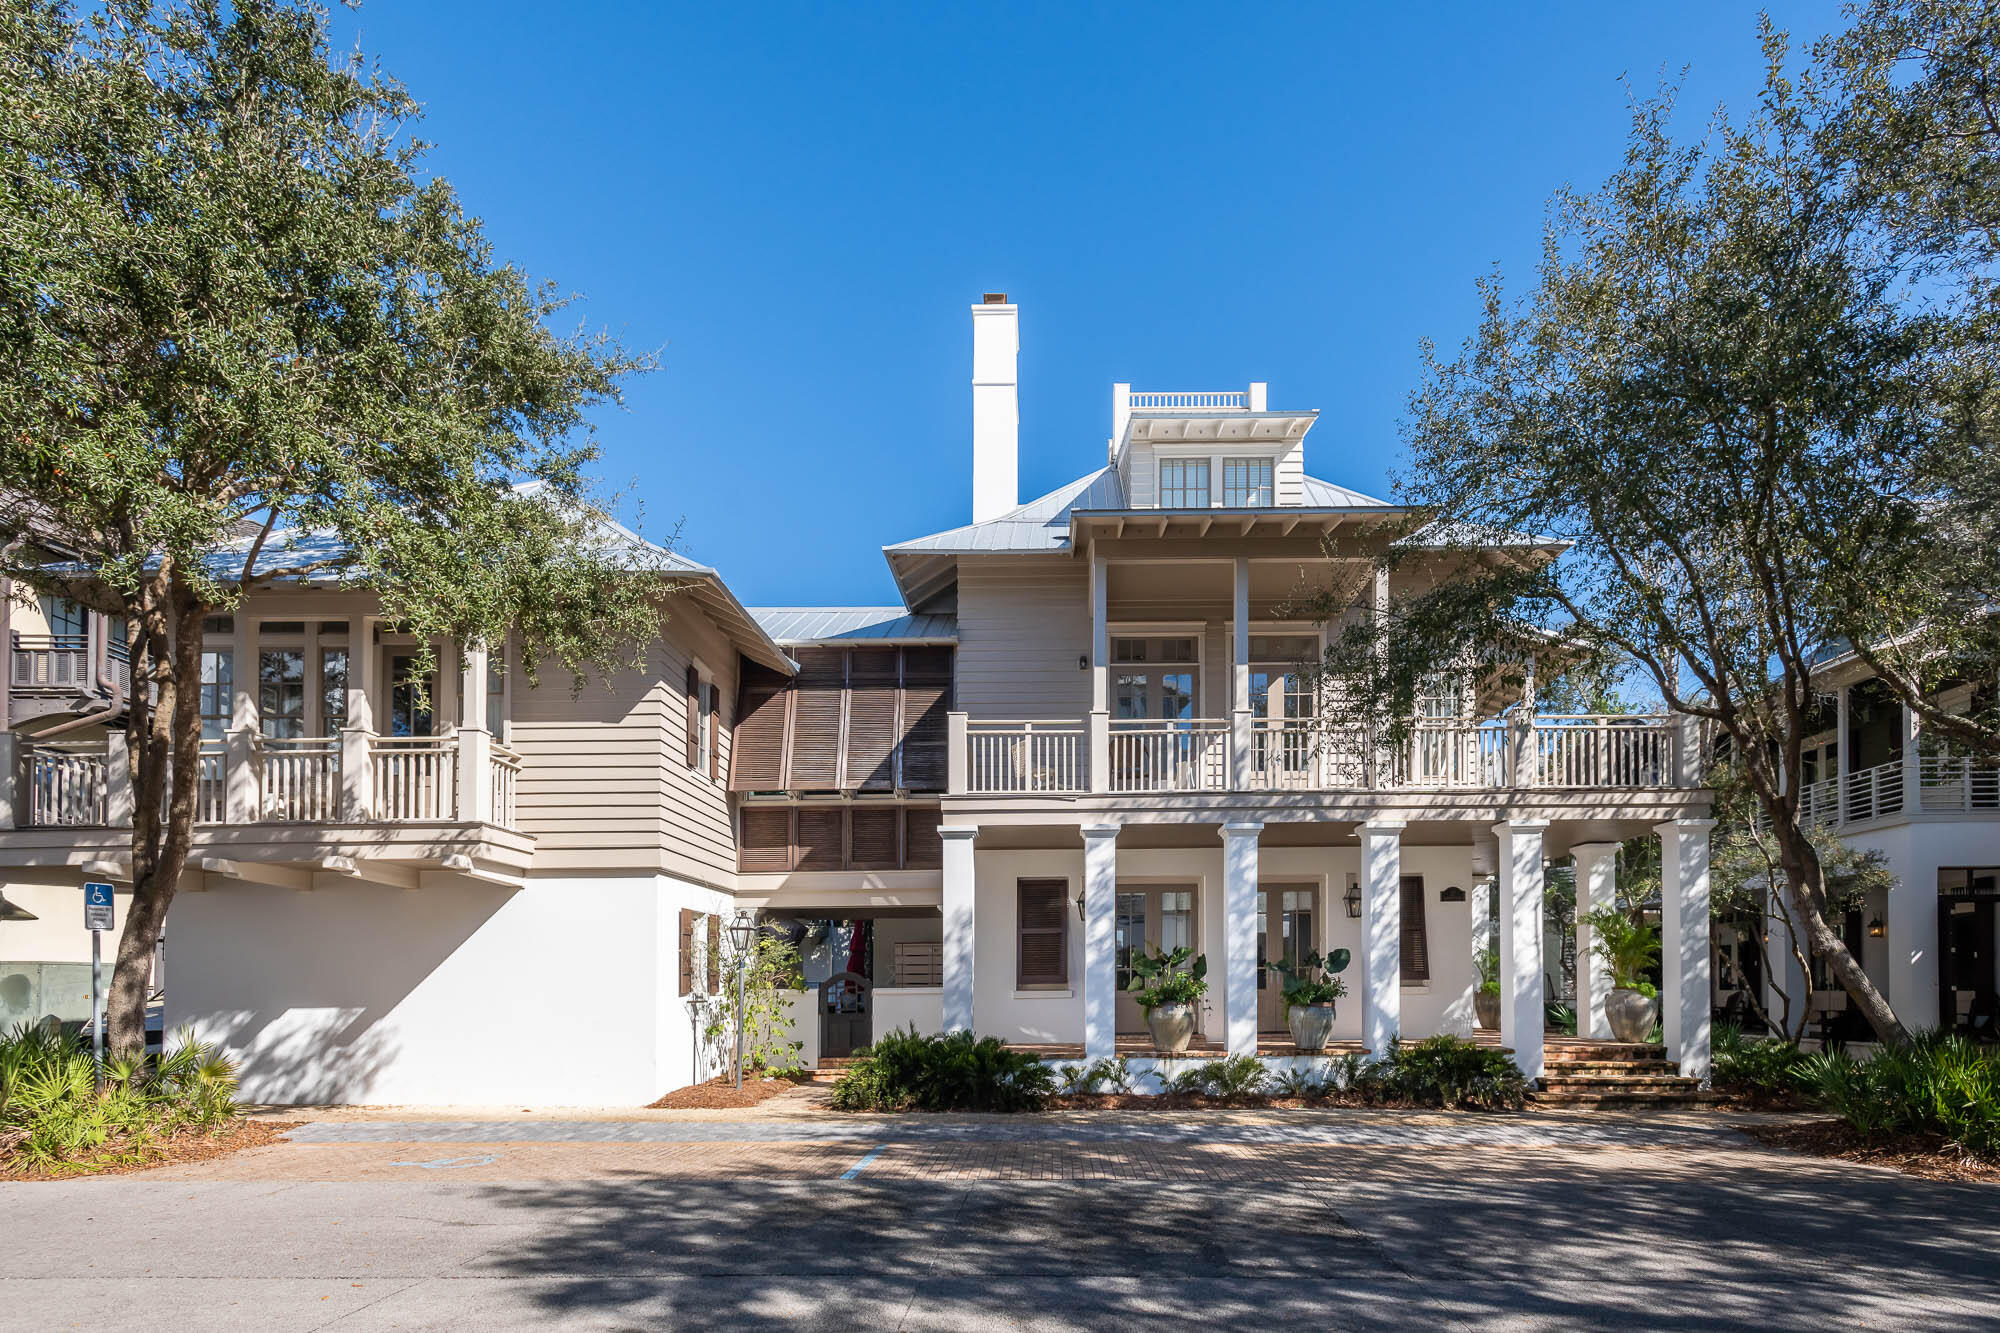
97	909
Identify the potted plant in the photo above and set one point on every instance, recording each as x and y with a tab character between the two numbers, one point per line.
1311	987
1486	996
1168	985
1627	947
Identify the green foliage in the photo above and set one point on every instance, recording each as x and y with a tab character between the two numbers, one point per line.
1559	1017
1162	977
957	1071
1627	948
1235	1076
1486	962
1938	1083
1104	1075
773	975
1190	1082
1763	1068
1444	1071
53	1118
1313	979
1300	1084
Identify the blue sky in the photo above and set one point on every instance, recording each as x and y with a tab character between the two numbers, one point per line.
796	205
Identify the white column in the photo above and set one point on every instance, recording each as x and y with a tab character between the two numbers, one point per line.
118	779
1913	772
957	921
13	791
1520	886
1239	936
1845	763
475	743
958	757
357	766
1381	935
1910	937
1596	886
1239	679
1100	970
1098	733
242	785
1686	951
1481	899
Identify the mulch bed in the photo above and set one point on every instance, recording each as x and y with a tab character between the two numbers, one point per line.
722	1094
191	1145
1924	1155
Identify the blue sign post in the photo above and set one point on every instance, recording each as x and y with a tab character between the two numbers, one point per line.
99	912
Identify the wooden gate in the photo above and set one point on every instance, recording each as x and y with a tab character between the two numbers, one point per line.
845	1003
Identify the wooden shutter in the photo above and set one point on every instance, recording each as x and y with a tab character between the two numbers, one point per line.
820	831
687	951
714	731
816	719
1042	922
765	842
714	926
925	736
1416	948
692	695
872	698
876	838
757	750
922	848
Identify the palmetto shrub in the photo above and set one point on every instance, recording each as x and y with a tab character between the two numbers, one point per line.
904	1071
1939	1084
1445	1071
1766	1068
53	1117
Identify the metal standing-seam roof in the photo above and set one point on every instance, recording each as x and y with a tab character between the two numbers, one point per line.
791	625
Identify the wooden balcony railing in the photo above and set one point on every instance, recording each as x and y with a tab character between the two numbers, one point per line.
1189	754
1027	757
50	664
415	778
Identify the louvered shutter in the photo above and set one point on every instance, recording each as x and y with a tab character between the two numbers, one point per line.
692	695
874	838
872	697
766	839
714	731
925	736
816	718
757	750
687	952
1416	948
1042	922
819	838
922	848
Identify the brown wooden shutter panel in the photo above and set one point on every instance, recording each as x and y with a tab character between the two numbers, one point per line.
819	838
872	699
923	849
1042	922
932	665
875	838
816	721
714	731
687	951
1416	948
693	699
757	751
925	736
714	924
766	839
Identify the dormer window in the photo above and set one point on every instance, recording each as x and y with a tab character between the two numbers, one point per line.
1184	483
1246	483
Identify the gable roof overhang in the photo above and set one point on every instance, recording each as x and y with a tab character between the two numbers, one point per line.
1185	427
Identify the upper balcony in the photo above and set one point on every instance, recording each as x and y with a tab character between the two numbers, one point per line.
1934	784
59	675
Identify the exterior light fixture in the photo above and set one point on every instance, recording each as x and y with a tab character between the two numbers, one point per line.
1876	930
1083	661
741	931
1353	900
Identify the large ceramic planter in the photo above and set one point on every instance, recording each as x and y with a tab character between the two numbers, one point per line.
1486	1006
1632	1015
1172	1026
1311	1024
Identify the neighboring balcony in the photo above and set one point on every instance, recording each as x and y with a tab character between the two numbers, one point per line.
62	674
1931	785
1055	757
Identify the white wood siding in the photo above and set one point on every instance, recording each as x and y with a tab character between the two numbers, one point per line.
1022	623
1288	474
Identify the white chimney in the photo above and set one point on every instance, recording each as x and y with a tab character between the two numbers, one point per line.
996	407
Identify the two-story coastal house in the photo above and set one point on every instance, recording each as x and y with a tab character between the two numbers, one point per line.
1083	732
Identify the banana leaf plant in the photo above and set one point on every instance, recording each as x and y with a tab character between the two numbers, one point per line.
1177	976
1313	979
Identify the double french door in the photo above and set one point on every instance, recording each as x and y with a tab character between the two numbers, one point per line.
1287	928
1150	918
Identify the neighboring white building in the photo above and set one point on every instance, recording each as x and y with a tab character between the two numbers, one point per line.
1084	730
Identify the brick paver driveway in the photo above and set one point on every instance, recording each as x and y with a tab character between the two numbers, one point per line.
1321	1219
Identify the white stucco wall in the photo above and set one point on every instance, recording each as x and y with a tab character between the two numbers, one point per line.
897	1007
1905	960
58	936
559	993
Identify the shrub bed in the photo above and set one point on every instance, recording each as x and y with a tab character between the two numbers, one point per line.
1938	1085
904	1071
54	1120
1763	1072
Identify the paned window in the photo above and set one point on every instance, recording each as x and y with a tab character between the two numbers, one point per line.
281	693
333	689
1184	483
1246	483
218	686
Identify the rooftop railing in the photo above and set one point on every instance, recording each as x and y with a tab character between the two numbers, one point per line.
1225	400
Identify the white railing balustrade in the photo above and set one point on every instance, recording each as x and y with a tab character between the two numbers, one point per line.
506	777
51	663
1034	756
1299	754
1457	754
301	779
211	791
68	783
1875	791
1190	754
1604	750
1953	783
1231	400
415	778
1819	802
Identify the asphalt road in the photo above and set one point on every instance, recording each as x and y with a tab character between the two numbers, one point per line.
958	1225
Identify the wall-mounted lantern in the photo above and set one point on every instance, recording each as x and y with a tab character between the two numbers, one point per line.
1876	929
1353	900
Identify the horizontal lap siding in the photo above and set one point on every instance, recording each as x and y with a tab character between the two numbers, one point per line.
1022	623
1288	476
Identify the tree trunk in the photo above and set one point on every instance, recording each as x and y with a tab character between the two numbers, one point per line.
1805	891
166	731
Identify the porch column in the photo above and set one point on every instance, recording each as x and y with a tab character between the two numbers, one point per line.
1913	769
1520	885
1686	950
242	787
475	743
1381	935
13	791
1239	936
357	764
118	801
1099	723
1239	680
956	913
1100	961
1596	886
1381	765
1845	764
1910	932
1522	733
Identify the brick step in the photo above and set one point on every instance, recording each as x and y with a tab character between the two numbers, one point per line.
1603	1050
1613	1083
1631	1100
1567	1067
